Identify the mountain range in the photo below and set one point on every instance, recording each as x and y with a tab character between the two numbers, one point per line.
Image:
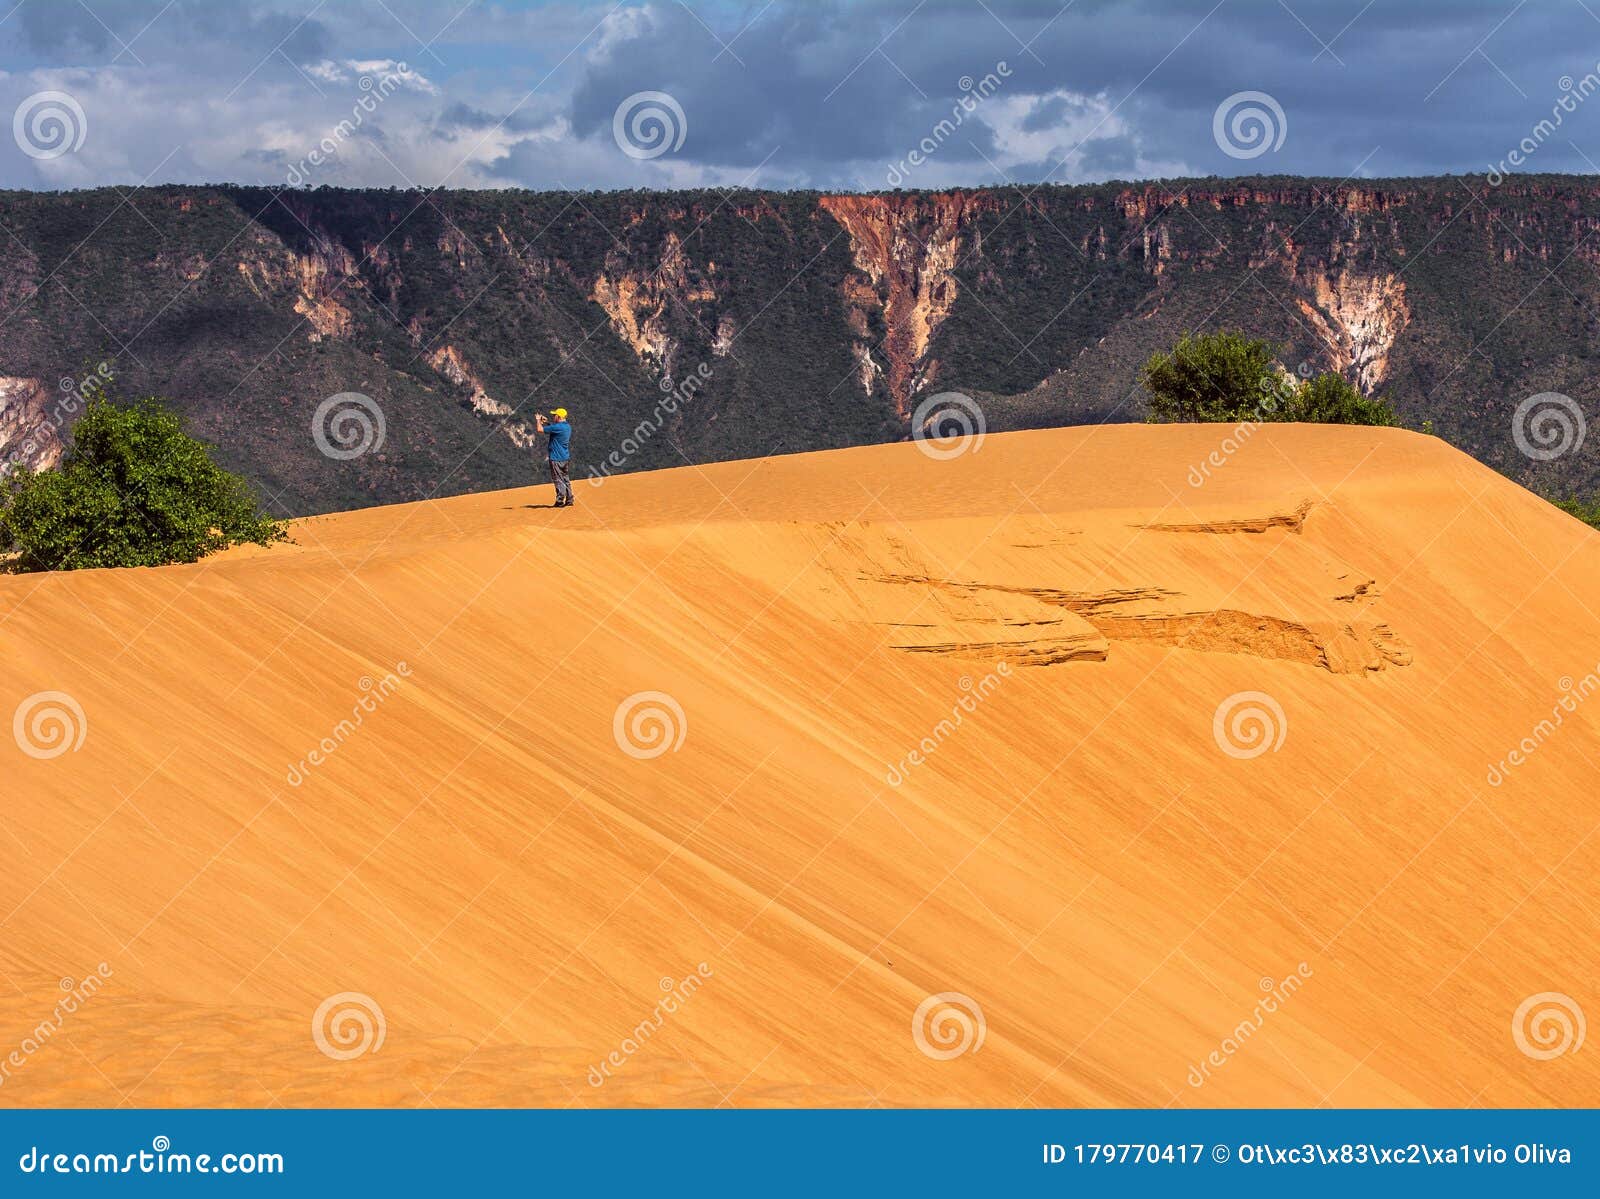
343	348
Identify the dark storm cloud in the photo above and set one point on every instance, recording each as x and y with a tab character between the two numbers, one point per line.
1420	87
1388	88
65	32
458	116
1111	158
794	82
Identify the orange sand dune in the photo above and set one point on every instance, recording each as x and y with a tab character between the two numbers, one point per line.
754	914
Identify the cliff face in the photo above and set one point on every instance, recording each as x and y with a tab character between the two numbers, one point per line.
787	321
905	249
1357	318
30	432
640	298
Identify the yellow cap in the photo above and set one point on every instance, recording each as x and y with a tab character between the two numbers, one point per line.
559	413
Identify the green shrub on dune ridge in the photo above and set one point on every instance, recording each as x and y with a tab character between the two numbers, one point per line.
1588	511
1209	377
132	489
1331	399
1226	376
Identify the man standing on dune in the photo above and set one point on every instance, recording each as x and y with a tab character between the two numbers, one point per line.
556	428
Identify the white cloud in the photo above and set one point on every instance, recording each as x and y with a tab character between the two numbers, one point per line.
1060	128
326	70
273	131
619	26
371	69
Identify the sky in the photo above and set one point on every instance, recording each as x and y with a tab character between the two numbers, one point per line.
790	93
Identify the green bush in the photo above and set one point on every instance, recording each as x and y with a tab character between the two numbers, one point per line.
1209	377
1588	511
1330	399
132	489
1228	377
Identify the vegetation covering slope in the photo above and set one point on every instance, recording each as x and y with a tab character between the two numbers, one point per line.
807	321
